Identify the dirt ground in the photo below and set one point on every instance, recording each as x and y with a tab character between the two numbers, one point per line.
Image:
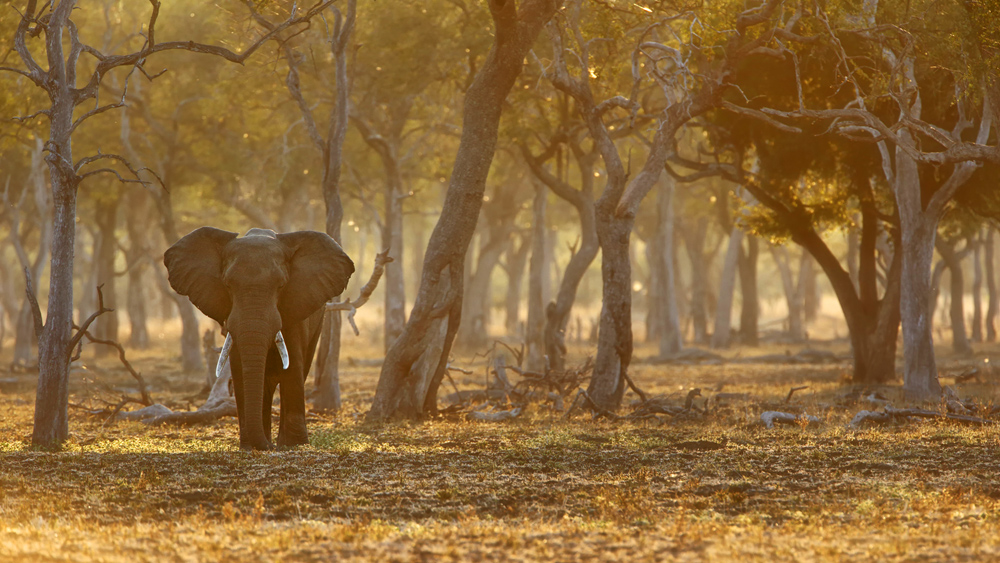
538	487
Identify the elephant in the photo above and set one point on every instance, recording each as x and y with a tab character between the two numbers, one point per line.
267	290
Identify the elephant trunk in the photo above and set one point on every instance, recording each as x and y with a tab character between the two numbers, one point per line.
253	340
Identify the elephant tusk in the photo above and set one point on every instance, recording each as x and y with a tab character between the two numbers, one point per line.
227	347
279	341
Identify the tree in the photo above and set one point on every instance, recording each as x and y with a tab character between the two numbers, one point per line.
903	68
55	22
415	364
692	81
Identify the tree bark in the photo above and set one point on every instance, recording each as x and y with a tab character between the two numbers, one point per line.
51	424
919	232
416	362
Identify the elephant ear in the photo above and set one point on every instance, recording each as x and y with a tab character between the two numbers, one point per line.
194	268
318	271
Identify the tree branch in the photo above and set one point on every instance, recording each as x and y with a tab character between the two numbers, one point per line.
101	309
381	259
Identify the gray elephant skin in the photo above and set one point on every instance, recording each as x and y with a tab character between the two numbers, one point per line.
255	286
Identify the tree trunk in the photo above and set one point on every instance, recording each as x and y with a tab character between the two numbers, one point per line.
557	313
415	363
107	220
392	238
137	256
474	333
977	289
191	360
792	296
727	286
517	259
694	244
873	322
51	423
328	396
852	253
960	341
993	306
535	330
919	232
750	310
807	286
670	340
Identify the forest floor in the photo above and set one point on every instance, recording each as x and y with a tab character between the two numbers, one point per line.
538	487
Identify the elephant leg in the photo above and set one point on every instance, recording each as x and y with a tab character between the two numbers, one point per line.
237	368
269	387
292	427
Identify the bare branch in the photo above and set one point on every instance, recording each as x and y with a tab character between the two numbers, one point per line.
36	311
101	309
757	114
143	389
381	259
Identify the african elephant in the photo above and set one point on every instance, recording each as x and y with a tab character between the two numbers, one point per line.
268	291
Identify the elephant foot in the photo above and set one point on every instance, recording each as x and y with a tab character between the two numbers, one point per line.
262	445
293	440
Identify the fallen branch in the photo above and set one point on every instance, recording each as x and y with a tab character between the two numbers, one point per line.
495	416
792	391
770	418
381	259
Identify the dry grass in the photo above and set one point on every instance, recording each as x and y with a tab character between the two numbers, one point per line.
535	488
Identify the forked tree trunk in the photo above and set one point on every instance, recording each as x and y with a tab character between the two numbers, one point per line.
727	286
993	306
557	314
750	310
415	363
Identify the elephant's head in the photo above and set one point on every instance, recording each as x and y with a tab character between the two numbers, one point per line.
255	285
